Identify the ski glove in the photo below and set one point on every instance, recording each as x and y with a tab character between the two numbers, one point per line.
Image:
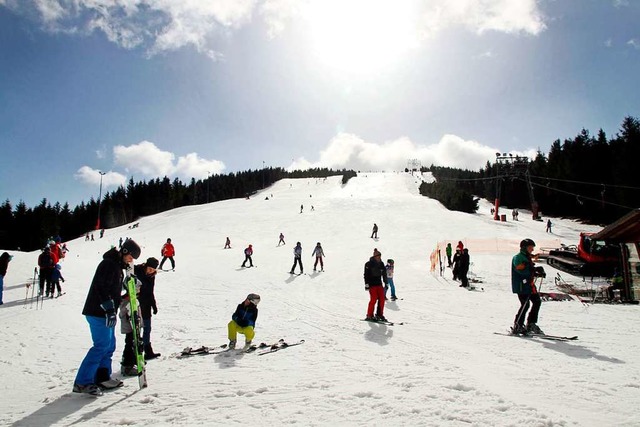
110	313
366	286
155	309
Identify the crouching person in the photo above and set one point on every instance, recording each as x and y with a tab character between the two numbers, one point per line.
244	320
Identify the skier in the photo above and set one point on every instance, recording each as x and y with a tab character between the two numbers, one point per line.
318	253
463	268
45	262
522	283
243	320
297	258
4	264
449	250
56	276
460	246
301	208
100	311
120	243
389	267
128	363
146	274
168	252
281	239
456	264
374	233
375	275
247	256
227	244
549	226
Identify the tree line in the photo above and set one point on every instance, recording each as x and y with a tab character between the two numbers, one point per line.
28	229
588	177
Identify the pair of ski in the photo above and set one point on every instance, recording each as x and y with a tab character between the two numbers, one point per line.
540	336
382	322
224	348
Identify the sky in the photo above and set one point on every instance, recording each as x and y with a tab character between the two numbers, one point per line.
443	367
145	89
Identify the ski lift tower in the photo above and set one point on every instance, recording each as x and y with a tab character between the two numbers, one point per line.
414	165
508	165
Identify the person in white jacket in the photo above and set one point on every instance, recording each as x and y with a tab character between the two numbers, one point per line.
318	253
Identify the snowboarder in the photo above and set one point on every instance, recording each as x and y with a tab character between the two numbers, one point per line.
449	251
301	208
549	226
281	239
99	309
297	258
463	268
247	256
227	244
389	267
375	275
146	274
243	320
522	283
168	252
128	363
318	253
4	264
374	233
56	277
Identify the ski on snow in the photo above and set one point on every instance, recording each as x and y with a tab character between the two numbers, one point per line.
382	322
279	346
541	336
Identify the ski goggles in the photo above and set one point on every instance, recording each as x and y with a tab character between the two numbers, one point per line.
255	301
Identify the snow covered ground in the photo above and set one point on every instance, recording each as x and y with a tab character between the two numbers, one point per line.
444	366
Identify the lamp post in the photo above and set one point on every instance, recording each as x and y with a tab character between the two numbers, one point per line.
100	199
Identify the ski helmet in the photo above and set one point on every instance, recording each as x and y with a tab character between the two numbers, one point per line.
390	261
527	242
129	247
254	299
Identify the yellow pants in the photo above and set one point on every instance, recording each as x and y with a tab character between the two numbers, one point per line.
234	329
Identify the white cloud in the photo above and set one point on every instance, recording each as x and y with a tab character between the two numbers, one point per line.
620	3
352	152
147	159
165	25
91	176
634	43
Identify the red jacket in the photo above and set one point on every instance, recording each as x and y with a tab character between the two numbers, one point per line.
168	250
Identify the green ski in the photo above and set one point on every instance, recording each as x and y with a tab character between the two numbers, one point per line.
135	324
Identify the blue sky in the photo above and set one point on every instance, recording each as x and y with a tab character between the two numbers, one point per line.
188	88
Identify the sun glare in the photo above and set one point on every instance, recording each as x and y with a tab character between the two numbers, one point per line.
361	36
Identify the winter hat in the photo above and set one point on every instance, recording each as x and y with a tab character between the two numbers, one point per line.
152	262
390	261
376	253
129	247
254	298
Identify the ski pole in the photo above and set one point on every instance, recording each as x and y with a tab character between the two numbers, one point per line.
33	290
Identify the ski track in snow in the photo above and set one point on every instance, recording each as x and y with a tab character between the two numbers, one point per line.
444	366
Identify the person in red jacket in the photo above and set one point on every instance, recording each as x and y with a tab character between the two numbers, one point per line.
168	252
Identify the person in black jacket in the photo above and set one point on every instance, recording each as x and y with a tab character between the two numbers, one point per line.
243	320
4	264
463	268
100	311
375	276
46	265
146	273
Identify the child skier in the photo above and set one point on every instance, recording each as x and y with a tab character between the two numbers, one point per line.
56	276
243	320
318	253
389	268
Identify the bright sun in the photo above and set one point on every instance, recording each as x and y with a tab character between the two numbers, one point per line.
361	36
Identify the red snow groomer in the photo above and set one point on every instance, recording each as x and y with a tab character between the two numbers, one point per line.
588	259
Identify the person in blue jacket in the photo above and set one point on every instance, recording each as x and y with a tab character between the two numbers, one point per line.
243	320
523	273
100	309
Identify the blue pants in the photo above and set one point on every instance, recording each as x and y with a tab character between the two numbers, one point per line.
392	286
98	356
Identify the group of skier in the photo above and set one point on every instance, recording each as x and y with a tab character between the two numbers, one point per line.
460	263
50	273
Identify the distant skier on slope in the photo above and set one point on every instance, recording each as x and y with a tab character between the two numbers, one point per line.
243	321
297	258
281	239
375	275
248	252
168	252
449	251
390	268
318	253
374	232
227	244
